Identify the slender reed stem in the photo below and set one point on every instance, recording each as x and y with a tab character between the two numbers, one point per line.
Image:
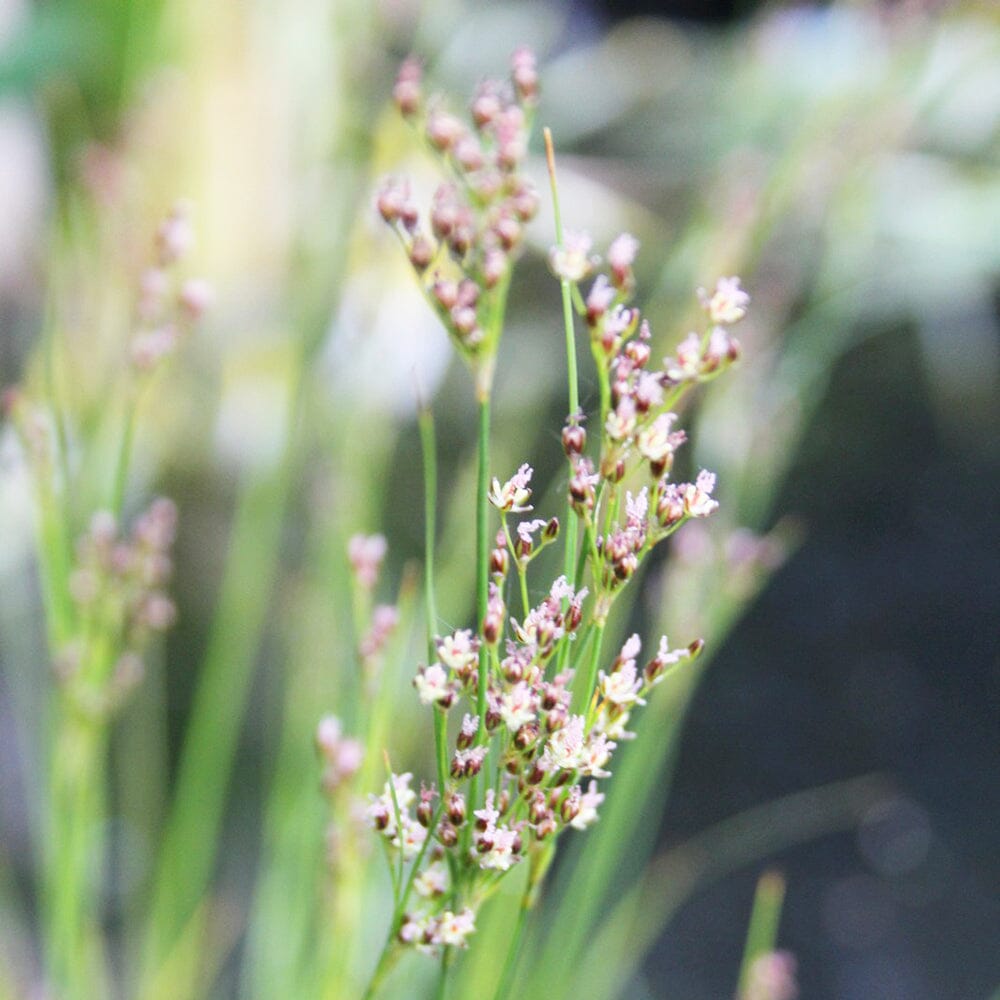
583	694
429	452
574	388
483	549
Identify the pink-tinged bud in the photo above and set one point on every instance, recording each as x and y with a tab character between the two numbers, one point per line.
512	669
460	240
536	775
492	627
443	130
574	440
615	472
492	719
527	736
409	217
512	765
447	834
196	298
570	808
525	202
621	256
625	567
638	353
551	531
468	153
499	562
446	293
508	231
503	801
391	199
379	815
421	252
425	812
670	506
494	267
574	616
407	92
695	648
556	719
524	73
456	809
485	107
464	320
538	810
444	211
468	292
599	300
175	237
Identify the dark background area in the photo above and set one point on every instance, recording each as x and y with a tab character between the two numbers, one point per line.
874	650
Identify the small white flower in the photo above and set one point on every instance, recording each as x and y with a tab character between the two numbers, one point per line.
622	687
453	928
687	363
621	420
500	854
621	253
565	749
698	500
572	261
412	839
489	814
596	754
459	651
432	881
518	706
432	686
589	802
656	442
729	302
514	495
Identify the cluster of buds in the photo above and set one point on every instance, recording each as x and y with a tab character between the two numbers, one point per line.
430	932
118	586
167	308
464	249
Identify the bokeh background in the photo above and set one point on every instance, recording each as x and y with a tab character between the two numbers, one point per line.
842	158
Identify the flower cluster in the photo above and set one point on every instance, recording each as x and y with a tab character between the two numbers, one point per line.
464	249
167	307
118	588
529	710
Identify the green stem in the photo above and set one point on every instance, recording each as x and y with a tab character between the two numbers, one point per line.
584	693
124	457
762	933
429	452
483	550
76	808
